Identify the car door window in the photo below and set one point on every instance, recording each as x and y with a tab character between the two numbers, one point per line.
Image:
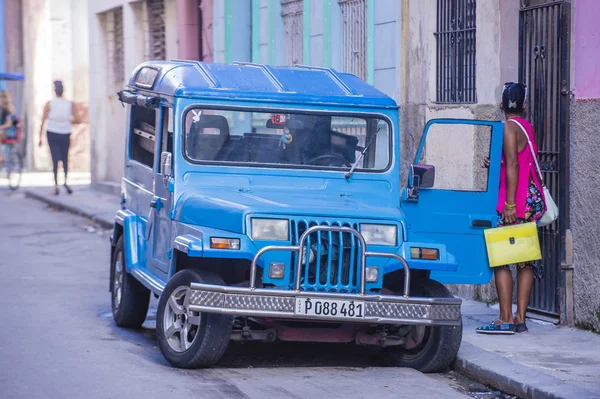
457	152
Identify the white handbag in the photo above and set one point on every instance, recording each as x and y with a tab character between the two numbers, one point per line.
551	213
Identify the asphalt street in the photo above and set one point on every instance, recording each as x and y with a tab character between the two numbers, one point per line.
58	339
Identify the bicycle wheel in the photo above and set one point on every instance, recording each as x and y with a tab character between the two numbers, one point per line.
14	167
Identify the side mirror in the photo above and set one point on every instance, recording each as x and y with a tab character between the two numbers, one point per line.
166	168
422	176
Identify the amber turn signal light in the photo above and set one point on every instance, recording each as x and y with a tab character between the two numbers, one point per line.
424	253
224	243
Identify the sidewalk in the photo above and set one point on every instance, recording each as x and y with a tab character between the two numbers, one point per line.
97	206
546	362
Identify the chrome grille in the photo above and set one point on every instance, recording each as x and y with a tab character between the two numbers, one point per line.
334	262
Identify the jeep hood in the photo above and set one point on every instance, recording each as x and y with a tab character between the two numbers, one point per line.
227	208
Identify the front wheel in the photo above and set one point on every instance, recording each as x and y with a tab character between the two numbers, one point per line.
427	349
189	339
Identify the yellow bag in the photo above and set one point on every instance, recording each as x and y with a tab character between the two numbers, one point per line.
512	244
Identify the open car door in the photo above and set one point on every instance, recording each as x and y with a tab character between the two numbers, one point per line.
451	198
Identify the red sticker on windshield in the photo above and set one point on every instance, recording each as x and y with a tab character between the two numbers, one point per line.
279	119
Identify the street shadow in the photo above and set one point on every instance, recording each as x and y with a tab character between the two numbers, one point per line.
256	354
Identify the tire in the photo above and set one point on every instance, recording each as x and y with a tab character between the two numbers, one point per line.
439	344
14	167
207	334
129	298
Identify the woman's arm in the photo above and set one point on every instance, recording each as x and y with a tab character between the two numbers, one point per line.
7	124
510	148
44	117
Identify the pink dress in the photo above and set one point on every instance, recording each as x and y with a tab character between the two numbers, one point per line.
527	175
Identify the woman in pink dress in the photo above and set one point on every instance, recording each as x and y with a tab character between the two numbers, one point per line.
520	200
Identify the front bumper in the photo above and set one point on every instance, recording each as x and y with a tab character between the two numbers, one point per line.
379	309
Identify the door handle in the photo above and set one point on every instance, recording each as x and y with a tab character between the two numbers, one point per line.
481	223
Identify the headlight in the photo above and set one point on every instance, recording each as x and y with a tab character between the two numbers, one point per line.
379	234
270	229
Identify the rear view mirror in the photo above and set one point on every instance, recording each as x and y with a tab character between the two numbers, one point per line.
423	176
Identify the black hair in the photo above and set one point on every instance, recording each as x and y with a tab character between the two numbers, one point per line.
513	97
58	88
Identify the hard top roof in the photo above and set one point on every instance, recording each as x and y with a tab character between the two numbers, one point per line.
264	83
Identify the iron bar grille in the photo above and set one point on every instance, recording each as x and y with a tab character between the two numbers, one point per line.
156	26
335	260
354	37
292	12
543	67
456	61
115	51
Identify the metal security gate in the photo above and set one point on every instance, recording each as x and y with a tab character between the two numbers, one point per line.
544	67
354	37
292	12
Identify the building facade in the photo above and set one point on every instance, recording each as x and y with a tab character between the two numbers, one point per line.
436	58
53	37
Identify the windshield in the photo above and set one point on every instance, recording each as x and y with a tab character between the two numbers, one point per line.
300	140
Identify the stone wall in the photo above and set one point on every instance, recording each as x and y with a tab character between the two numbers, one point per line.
584	203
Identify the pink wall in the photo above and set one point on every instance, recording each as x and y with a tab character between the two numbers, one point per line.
587	49
188	29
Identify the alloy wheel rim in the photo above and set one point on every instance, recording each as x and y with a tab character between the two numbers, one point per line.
180	325
118	281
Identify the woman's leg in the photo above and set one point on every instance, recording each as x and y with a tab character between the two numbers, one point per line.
504	286
524	286
65	158
54	144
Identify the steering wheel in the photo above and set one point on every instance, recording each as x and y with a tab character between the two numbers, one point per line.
332	156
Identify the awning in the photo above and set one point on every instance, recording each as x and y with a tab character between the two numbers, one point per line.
11	76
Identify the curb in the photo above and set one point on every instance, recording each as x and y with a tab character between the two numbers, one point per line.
514	379
105	223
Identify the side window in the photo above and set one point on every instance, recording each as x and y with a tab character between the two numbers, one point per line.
143	135
457	152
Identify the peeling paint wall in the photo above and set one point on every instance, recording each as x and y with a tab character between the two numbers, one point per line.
585	147
497	62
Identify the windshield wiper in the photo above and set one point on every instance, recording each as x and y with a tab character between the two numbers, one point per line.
360	157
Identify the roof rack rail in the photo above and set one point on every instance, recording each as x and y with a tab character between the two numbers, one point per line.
333	75
268	71
199	65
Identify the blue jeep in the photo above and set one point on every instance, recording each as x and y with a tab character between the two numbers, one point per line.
263	203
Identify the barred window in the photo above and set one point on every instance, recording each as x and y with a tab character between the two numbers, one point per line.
292	12
456	51
354	37
114	47
156	45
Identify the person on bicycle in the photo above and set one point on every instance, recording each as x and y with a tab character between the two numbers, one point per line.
8	125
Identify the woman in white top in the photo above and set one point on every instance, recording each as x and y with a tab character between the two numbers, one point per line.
59	113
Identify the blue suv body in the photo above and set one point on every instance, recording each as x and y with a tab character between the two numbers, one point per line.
265	203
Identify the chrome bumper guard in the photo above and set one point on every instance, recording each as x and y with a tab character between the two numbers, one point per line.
378	309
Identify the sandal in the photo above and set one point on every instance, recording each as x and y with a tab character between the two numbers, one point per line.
55	191
521	327
69	190
493	328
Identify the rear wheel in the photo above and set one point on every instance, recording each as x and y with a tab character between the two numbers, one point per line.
130	299
14	167
189	339
427	349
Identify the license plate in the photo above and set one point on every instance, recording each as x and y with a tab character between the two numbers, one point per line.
328	308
